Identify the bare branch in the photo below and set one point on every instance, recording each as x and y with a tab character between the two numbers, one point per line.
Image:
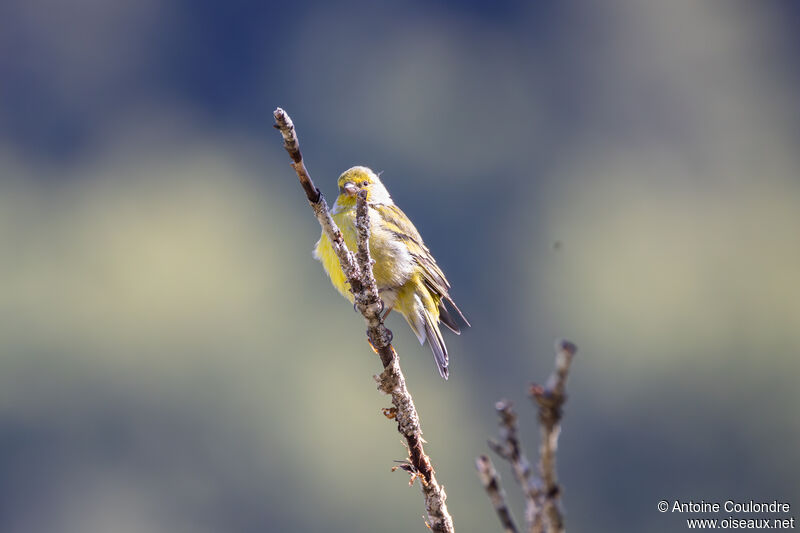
491	482
368	302
541	502
511	450
391	381
550	399
284	124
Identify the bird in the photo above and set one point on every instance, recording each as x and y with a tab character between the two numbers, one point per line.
408	278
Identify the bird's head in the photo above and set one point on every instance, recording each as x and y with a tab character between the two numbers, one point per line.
356	179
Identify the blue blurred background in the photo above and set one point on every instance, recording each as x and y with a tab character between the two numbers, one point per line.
172	359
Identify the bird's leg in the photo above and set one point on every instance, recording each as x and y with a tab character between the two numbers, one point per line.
386	313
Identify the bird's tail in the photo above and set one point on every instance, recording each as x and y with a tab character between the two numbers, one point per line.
423	317
436	342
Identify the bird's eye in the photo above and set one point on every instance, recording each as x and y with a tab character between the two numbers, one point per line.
364	183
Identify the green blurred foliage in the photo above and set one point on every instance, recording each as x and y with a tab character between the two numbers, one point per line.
173	359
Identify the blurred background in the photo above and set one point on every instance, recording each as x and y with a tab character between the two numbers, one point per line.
172	359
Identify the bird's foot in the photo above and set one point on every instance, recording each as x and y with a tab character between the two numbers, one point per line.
385	338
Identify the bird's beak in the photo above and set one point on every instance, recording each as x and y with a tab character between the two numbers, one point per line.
350	189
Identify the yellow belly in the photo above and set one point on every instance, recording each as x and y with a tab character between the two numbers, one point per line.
393	266
330	262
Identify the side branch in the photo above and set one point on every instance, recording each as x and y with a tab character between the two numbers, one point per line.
550	399
491	482
541	496
510	449
358	270
367	299
393	382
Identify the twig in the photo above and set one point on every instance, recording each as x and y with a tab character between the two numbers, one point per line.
511	450
491	482
541	502
283	123
391	381
367	299
317	201
550	400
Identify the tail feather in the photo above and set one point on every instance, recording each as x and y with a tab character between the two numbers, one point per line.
448	319
436	342
424	321
451	302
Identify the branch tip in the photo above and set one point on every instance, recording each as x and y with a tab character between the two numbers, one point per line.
563	345
283	123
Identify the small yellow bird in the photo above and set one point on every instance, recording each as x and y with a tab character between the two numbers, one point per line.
408	278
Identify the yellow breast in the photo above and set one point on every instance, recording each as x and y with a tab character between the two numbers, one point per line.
393	264
330	261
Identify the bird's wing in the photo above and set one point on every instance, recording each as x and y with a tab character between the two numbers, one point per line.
402	228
